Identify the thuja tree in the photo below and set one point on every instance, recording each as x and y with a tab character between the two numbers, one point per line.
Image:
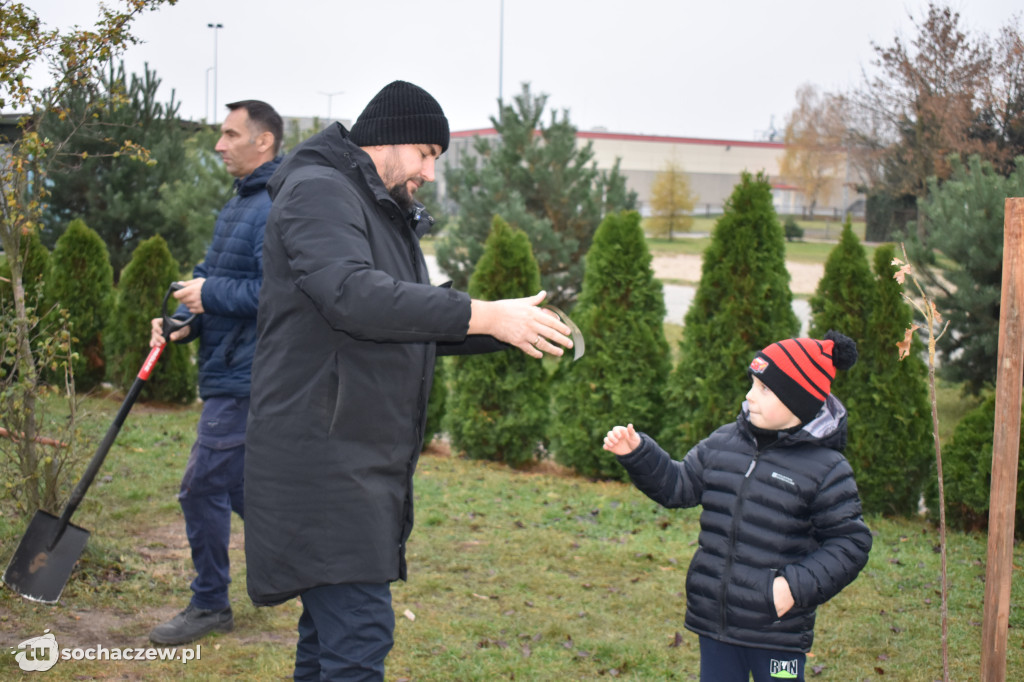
140	293
893	422
889	442
621	377
82	283
742	304
35	260
537	179
498	407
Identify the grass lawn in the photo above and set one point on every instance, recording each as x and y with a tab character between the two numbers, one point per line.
513	575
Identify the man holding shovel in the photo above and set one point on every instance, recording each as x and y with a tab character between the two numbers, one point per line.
223	292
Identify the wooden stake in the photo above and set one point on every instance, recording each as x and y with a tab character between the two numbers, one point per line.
1002	500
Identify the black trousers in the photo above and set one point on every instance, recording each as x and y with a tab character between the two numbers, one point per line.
732	663
345	633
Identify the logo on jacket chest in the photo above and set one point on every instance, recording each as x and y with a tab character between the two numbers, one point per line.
783	479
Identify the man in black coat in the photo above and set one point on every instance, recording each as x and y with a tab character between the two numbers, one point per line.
349	327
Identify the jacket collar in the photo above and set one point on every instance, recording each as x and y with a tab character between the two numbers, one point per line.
827	429
257	180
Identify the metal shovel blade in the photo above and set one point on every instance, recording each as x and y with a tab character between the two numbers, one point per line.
43	562
578	345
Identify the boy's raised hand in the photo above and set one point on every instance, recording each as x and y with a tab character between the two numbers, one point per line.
622	440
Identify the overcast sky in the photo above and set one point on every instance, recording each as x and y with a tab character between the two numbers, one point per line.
690	68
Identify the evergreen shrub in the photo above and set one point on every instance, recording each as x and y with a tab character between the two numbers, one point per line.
742	304
35	269
498	406
794	232
140	294
81	282
621	377
889	423
967	473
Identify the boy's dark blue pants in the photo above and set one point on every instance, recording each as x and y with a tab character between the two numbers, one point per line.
345	633
732	663
211	488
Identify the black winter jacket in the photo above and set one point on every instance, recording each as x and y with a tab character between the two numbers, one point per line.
348	325
791	509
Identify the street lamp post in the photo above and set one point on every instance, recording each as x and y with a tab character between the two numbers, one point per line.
216	73
501	52
330	96
206	104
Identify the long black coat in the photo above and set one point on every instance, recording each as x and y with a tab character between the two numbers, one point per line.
348	325
791	509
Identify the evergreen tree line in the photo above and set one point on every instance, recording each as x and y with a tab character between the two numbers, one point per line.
536	178
110	326
498	408
533	174
505	408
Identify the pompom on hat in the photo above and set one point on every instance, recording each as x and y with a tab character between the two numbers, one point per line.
401	113
800	371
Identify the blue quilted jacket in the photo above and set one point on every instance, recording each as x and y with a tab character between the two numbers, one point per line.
233	269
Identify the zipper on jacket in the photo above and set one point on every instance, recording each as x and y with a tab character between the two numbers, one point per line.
733	531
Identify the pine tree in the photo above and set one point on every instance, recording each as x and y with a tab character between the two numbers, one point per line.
141	291
189	203
742	304
119	199
537	180
621	378
82	283
498	407
965	223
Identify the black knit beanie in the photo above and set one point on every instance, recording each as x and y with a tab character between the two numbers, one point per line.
800	371
401	113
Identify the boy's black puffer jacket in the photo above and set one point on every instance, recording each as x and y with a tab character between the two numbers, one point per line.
791	510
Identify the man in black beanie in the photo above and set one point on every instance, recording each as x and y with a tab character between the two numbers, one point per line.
349	327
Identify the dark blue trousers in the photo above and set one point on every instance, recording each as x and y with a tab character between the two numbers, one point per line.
345	633
732	663
210	490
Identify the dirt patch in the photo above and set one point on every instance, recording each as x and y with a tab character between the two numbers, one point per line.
804	277
165	554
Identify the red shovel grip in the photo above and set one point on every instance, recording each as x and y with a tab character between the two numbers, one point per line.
147	366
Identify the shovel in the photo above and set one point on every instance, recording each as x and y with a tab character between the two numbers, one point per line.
578	347
51	546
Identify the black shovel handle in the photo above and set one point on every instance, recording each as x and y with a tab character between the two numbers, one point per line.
108	440
170	324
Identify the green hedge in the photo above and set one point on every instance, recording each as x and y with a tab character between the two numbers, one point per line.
141	290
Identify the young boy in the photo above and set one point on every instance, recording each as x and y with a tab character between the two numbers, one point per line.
781	529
